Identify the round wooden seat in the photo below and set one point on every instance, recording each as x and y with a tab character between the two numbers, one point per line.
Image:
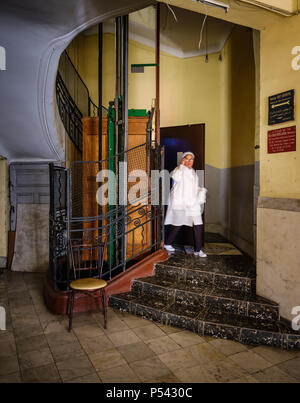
88	284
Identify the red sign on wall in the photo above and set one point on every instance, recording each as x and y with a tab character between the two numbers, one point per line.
282	140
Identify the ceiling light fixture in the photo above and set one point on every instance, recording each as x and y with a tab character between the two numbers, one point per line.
214	3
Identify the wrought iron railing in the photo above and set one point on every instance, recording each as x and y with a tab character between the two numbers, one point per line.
73	100
132	229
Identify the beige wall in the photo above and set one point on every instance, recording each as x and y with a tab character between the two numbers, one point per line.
220	93
190	88
4	211
278	216
217	93
280	173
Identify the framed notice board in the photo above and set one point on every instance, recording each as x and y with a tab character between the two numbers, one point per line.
282	140
281	107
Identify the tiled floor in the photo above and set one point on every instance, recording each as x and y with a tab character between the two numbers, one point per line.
37	347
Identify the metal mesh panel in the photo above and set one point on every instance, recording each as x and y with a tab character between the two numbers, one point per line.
131	229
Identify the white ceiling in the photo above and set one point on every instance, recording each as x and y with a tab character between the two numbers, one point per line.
179	38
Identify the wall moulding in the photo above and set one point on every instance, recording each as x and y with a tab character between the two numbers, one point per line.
279	203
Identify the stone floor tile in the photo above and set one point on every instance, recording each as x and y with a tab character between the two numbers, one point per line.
186	338
162	345
21	320
54	326
7	347
6	336
135	351
9	365
245	379
63	345
205	353
196	374
169	329
35	358
272	354
250	361
119	374
165	379
133	321
124	337
11	378
88	331
22	301
148	332
224	370
291	367
150	368
114	325
83	319
107	359
178	359
60	338
61	352
96	345
31	343
228	347
75	367
43	374
22	310
90	378
28	331
274	375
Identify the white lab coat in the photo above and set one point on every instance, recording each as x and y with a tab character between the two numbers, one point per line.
186	199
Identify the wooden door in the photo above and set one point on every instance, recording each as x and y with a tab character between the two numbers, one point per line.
177	140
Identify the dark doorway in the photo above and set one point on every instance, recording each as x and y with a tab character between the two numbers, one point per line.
177	140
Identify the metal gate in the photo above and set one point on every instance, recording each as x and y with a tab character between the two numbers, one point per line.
130	222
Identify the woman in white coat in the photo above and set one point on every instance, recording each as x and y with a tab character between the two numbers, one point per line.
186	203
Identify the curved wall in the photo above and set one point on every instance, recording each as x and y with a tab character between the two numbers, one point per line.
34	34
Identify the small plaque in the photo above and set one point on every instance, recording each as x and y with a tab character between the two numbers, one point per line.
282	140
281	107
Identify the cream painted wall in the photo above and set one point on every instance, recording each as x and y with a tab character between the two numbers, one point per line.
237	102
4	213
280	172
190	88
288	5
192	91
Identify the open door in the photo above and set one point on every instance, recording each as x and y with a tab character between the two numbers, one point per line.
177	140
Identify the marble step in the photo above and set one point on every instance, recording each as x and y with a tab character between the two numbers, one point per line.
235	273
208	322
207	296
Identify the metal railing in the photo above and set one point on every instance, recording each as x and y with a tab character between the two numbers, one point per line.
132	229
73	100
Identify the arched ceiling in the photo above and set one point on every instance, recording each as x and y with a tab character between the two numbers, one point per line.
179	37
34	33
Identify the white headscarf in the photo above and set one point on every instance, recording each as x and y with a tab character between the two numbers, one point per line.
187	153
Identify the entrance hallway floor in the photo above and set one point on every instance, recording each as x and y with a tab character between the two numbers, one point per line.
37	347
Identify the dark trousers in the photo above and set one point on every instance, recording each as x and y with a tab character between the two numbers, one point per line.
197	236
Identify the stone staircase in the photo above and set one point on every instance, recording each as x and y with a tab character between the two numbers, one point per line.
213	296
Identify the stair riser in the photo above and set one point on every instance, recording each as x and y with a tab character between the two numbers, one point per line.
200	278
184	298
236	333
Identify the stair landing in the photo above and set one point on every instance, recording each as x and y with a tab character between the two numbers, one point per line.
213	296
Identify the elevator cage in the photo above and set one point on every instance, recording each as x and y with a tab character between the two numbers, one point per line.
93	201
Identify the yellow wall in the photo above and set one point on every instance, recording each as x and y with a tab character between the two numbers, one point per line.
238	99
280	172
288	5
192	91
4	216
